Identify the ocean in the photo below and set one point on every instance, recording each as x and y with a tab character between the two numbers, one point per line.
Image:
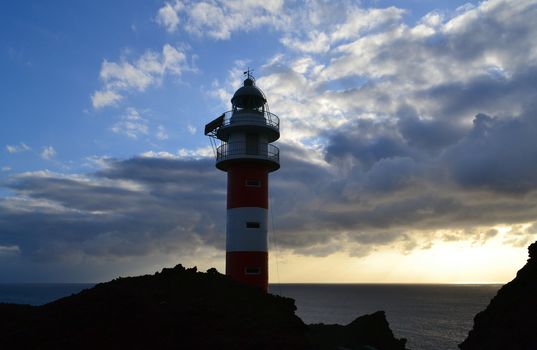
38	293
431	317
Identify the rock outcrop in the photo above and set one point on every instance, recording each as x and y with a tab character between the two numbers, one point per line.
365	332
510	320
180	309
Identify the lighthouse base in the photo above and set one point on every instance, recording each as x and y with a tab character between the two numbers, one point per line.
249	268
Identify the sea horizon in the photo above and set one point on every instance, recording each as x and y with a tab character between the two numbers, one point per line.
307	283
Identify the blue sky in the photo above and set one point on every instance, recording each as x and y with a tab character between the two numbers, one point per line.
407	136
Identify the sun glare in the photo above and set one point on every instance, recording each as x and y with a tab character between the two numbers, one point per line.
461	262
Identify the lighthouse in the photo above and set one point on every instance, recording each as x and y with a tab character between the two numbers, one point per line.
245	134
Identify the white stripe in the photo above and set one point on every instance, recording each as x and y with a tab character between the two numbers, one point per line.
239	238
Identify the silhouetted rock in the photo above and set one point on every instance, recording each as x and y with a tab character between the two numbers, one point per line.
177	308
365	332
510	320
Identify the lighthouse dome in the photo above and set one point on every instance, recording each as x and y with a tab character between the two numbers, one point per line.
248	96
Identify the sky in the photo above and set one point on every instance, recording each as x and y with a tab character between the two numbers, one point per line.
408	137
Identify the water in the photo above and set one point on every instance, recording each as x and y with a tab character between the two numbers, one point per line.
38	293
431	317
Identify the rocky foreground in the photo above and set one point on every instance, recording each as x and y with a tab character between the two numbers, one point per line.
510	320
181	308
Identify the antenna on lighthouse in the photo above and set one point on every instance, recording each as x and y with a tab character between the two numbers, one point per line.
248	74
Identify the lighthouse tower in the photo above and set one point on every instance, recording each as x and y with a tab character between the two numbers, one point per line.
247	155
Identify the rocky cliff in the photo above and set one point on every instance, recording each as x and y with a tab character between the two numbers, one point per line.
510	320
180	309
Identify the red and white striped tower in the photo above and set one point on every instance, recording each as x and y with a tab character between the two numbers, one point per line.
247	155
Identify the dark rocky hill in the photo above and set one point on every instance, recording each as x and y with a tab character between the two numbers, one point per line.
510	320
180	309
359	334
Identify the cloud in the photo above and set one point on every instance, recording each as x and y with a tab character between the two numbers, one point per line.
318	42
300	24
128	76
182	153
136	207
426	80
101	99
498	154
48	152
191	129
359	22
340	23
219	19
202	152
132	124
6	250
161	154
431	135
162	134
167	15
21	147
367	142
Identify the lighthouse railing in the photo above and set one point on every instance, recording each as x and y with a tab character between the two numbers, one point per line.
251	117
247	150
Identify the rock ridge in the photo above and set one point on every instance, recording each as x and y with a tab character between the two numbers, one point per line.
181	308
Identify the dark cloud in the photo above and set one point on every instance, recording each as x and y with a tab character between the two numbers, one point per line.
429	135
366	142
492	93
498	154
391	174
377	190
136	207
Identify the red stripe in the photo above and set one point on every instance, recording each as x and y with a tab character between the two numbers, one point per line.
241	195
237	264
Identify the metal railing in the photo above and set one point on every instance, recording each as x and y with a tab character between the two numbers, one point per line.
251	117
248	150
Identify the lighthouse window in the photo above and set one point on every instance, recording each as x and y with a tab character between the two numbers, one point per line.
253	183
252	271
252	224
